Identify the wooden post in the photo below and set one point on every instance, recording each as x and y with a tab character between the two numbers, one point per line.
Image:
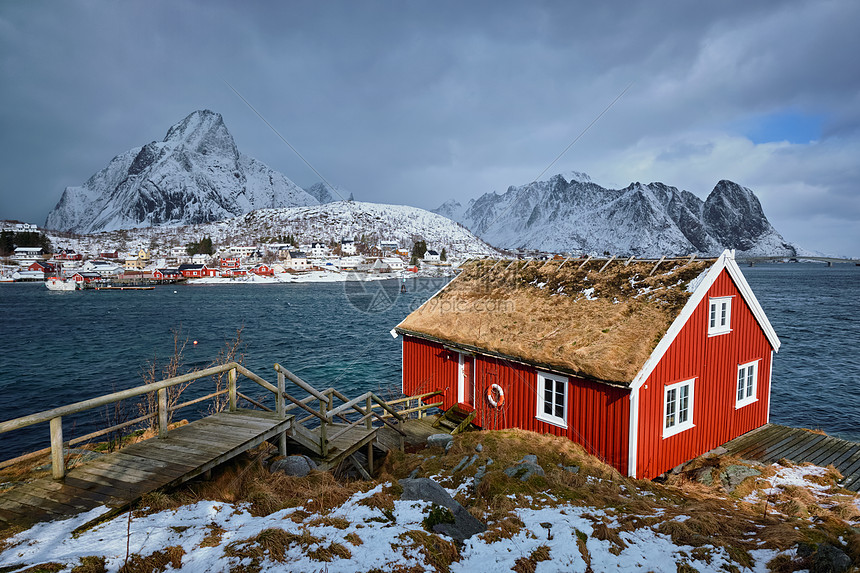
420	412
323	427
162	413
368	423
279	400
231	389
282	444
58	463
370	458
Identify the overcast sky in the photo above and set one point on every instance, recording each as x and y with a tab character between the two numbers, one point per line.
418	102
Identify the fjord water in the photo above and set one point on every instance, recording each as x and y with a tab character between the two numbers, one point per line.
59	348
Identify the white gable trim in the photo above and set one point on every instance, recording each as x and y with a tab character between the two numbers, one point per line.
725	261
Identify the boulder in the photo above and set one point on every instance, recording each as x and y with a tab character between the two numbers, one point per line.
525	468
298	466
734	475
439	440
465	524
830	559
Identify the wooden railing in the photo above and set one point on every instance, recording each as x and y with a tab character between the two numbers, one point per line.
55	416
326	412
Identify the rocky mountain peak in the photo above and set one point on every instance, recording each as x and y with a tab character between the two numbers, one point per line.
196	174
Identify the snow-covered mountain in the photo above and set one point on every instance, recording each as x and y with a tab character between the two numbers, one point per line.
196	174
572	213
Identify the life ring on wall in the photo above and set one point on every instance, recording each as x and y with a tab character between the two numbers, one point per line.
496	396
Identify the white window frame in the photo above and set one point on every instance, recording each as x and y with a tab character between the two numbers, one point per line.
542	378
673	405
719	315
748	393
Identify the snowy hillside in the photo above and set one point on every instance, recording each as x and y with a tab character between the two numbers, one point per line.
196	174
571	213
326	223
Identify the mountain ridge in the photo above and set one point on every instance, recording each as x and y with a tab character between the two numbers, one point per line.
576	214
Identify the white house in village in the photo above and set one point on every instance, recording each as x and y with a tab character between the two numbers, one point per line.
295	260
388	246
103	268
243	251
28	254
318	250
347	247
394	263
432	256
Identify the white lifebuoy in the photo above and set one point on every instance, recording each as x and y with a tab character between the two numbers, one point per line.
496	396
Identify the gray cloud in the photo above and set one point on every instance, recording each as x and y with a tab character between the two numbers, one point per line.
415	103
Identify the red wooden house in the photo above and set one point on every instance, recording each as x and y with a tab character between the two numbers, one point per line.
86	277
189	270
263	270
166	274
43	266
646	365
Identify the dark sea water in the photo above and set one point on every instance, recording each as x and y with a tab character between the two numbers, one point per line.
57	348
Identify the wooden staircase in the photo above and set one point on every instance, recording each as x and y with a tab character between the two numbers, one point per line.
455	419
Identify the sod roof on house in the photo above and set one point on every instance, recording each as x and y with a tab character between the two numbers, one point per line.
596	320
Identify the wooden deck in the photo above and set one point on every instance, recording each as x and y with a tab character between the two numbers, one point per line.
773	442
119	479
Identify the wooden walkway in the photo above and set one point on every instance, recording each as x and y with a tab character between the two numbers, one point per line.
773	442
119	479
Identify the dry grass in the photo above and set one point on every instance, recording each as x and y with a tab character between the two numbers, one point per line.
438	551
213	535
271	543
244	479
540	314
43	568
156	562
328	553
92	564
353	538
529	564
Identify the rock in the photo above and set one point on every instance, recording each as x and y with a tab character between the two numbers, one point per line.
465	525
482	471
705	475
298	466
525	468
479	448
464	463
571	469
440	440
414	473
830	559
448	446
734	475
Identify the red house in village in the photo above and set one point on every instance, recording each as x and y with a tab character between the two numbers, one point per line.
645	365
166	274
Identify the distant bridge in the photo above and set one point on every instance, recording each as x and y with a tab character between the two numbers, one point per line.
829	260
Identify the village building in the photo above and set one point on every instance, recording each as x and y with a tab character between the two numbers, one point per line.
242	251
190	270
318	250
43	266
27	254
114	254
165	274
229	263
347	247
86	277
432	256
138	260
295	260
105	269
262	270
394	263
388	246
646	365
68	255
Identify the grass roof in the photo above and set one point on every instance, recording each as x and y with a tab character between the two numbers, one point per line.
600	320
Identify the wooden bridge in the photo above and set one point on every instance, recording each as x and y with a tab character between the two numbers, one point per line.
773	442
330	434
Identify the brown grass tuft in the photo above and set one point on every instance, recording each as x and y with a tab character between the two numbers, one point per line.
94	564
43	568
438	552
353	538
336	522
156	562
326	554
529	564
213	535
